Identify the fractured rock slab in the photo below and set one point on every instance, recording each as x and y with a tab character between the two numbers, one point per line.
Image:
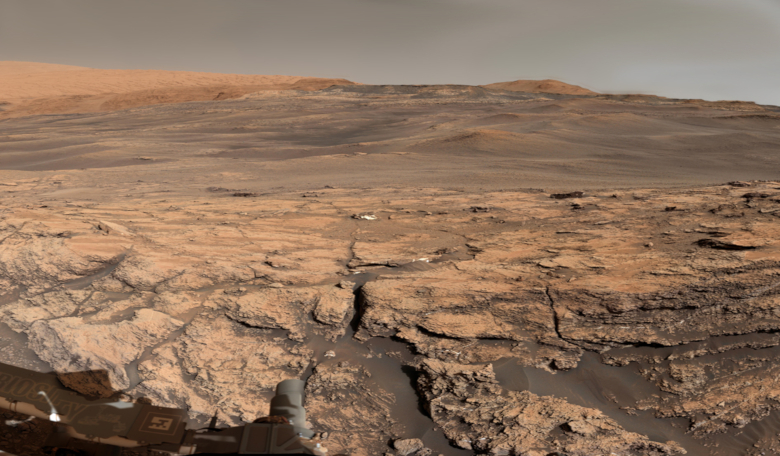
475	413
70	344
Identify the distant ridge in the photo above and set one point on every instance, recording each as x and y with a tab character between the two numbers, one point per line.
541	86
29	88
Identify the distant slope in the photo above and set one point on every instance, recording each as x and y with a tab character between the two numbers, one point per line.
25	68
28	88
542	86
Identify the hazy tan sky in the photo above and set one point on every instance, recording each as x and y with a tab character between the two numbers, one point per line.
712	49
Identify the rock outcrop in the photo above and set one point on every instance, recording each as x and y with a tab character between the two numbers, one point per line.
362	427
71	344
477	414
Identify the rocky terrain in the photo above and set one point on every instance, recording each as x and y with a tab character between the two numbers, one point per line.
447	269
207	303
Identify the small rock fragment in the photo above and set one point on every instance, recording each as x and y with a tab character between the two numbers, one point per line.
566	195
109	227
347	285
753	195
404	447
335	307
721	245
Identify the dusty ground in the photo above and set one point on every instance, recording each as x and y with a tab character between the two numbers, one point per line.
201	252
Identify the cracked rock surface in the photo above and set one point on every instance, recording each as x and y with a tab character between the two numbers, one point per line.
212	326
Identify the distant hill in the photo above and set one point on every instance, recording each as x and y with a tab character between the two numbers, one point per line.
28	88
541	86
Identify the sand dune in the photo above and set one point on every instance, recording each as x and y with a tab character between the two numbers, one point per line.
542	86
477	141
37	88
